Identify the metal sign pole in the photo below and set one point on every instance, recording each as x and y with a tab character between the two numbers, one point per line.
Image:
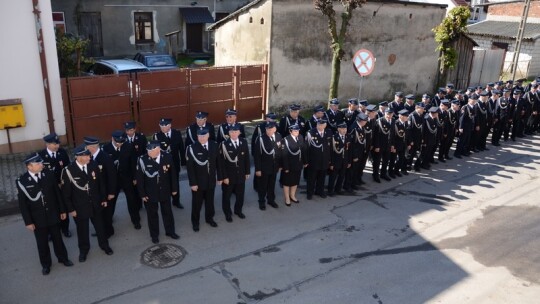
360	88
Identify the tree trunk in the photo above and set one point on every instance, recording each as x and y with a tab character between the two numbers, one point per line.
336	70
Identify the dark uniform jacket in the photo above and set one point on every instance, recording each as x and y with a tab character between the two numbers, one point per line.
430	131
55	165
334	118
139	142
319	149
502	109
267	154
481	114
399	135
191	132
287	121
124	161
202	165
453	122
223	131
107	170
40	203
444	122
156	181
349	117
293	153
233	163
466	119
416	123
260	129
311	123
396	107
381	138
358	141
174	146
83	192
410	108
341	152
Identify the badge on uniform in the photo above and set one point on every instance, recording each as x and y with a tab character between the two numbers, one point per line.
165	169
100	167
61	163
93	175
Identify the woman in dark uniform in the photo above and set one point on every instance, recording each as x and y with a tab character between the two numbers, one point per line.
294	160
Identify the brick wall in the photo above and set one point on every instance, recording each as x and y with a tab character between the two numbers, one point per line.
513	11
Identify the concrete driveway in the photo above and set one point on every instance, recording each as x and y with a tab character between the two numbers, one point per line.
466	232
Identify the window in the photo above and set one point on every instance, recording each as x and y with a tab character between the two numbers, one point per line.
59	22
144	28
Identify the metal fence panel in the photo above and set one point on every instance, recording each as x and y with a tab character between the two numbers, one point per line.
487	66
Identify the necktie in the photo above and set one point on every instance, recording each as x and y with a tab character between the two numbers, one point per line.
118	149
37	177
54	155
84	169
235	144
205	147
342	138
167	134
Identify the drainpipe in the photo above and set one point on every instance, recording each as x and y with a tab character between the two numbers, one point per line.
43	61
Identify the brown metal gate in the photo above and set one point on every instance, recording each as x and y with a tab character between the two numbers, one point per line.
99	105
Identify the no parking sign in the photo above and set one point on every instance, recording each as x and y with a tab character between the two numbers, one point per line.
363	62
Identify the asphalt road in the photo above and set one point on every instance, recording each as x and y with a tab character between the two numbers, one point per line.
467	232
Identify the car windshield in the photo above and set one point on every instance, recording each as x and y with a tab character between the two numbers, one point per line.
157	61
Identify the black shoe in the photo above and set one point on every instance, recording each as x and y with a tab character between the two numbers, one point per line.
287	204
448	157
46	270
398	174
273	204
155	240
392	175
361	182
67	263
309	197
331	194
241	215
496	144
108	250
376	179
425	167
417	169
433	162
82	258
340	192
404	172
294	201
67	233
212	223
322	195
386	178
196	228
137	226
442	160
355	187
179	205
262	207
486	149
228	218
173	236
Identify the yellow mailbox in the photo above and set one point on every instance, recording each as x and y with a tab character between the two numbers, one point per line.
11	114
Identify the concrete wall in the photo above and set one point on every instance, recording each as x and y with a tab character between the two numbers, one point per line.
300	57
117	20
241	42
20	74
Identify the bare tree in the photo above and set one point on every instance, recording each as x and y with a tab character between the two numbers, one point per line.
337	37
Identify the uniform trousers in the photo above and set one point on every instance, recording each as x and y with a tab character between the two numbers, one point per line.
198	198
42	240
153	217
238	189
83	233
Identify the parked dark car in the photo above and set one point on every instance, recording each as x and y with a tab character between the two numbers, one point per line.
115	66
156	61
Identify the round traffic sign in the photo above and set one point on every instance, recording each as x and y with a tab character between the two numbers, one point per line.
363	62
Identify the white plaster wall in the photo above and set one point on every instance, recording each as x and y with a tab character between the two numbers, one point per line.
243	43
20	75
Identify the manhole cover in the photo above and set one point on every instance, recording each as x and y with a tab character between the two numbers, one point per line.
163	255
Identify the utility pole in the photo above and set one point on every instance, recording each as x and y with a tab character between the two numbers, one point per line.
521	31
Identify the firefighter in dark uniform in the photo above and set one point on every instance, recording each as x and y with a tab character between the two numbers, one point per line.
55	158
319	150
436	100
465	127
500	117
409	103
202	158
223	131
519	115
85	195
291	119
429	137
333	115
42	209
201	122
397	104
400	143
449	91
533	116
369	137
511	108
172	143
340	160
358	145
267	157
453	118
445	129
381	146
383	105
260	129
124	159
481	122
136	139
294	159
108	174
318	114
416	124
156	182
233	171
349	114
